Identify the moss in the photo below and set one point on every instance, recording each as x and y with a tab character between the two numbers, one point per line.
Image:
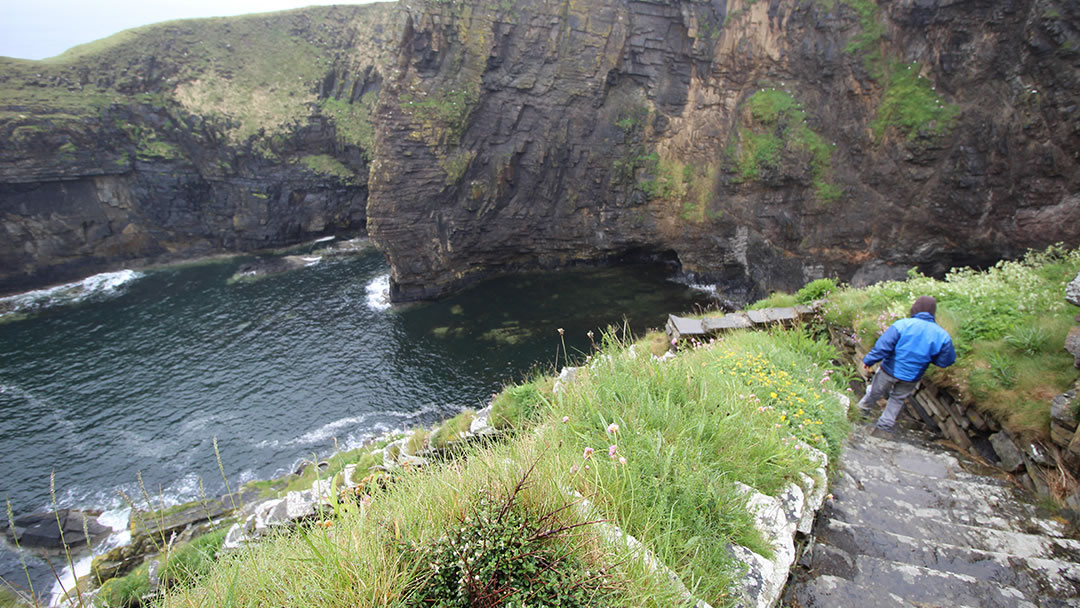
126	590
443	114
155	149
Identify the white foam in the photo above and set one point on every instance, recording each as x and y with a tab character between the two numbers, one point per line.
324	239
66	580
117	519
108	283
328	431
709	289
332	429
378	293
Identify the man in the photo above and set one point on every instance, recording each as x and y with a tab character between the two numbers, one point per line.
905	350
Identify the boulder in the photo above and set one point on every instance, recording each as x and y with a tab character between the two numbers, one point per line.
1072	291
1009	455
52	530
1072	344
300	504
481	424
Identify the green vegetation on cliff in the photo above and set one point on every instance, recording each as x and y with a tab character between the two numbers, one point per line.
912	105
774	128
253	76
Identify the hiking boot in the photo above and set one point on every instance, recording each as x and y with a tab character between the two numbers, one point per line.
881	433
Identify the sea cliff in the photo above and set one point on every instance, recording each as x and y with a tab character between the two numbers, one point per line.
757	145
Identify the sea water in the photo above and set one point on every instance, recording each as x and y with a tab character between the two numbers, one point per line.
130	373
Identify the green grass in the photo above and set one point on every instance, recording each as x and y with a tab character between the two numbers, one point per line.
911	105
688	429
1008	323
452	430
8	599
775	128
253	77
325	164
353	120
868	42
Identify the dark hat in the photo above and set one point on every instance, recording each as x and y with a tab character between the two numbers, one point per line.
924	304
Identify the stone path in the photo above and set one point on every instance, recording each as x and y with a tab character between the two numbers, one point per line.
909	525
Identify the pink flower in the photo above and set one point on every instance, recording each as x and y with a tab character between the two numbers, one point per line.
573	469
611	450
622	460
565	419
613	428
588	453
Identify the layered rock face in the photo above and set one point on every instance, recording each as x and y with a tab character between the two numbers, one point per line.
189	138
762	144
753	144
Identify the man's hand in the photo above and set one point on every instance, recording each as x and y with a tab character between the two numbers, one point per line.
867	370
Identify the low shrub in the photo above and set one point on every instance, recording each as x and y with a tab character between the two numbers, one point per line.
815	290
499	553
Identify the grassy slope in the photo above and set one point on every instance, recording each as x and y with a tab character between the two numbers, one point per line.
255	73
688	429
1008	324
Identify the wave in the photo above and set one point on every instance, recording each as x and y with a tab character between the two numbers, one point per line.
331	429
378	293
104	284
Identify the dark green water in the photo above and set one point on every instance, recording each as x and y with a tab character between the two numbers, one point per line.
276	369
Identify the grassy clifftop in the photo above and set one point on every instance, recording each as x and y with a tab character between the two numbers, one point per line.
255	74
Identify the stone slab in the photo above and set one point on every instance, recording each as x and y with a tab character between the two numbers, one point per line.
781	315
727	322
681	327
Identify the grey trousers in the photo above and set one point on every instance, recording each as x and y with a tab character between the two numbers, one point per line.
884	385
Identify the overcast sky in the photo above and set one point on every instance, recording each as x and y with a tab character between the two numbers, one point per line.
35	29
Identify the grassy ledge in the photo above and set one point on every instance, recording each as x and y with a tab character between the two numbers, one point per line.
655	446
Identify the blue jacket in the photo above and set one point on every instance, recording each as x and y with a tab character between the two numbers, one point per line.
910	345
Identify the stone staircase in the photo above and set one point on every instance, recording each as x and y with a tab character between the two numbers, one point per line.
909	525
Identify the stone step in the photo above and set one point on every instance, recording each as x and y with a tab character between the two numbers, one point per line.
922	460
881	490
828	591
1034	576
917	585
991	540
